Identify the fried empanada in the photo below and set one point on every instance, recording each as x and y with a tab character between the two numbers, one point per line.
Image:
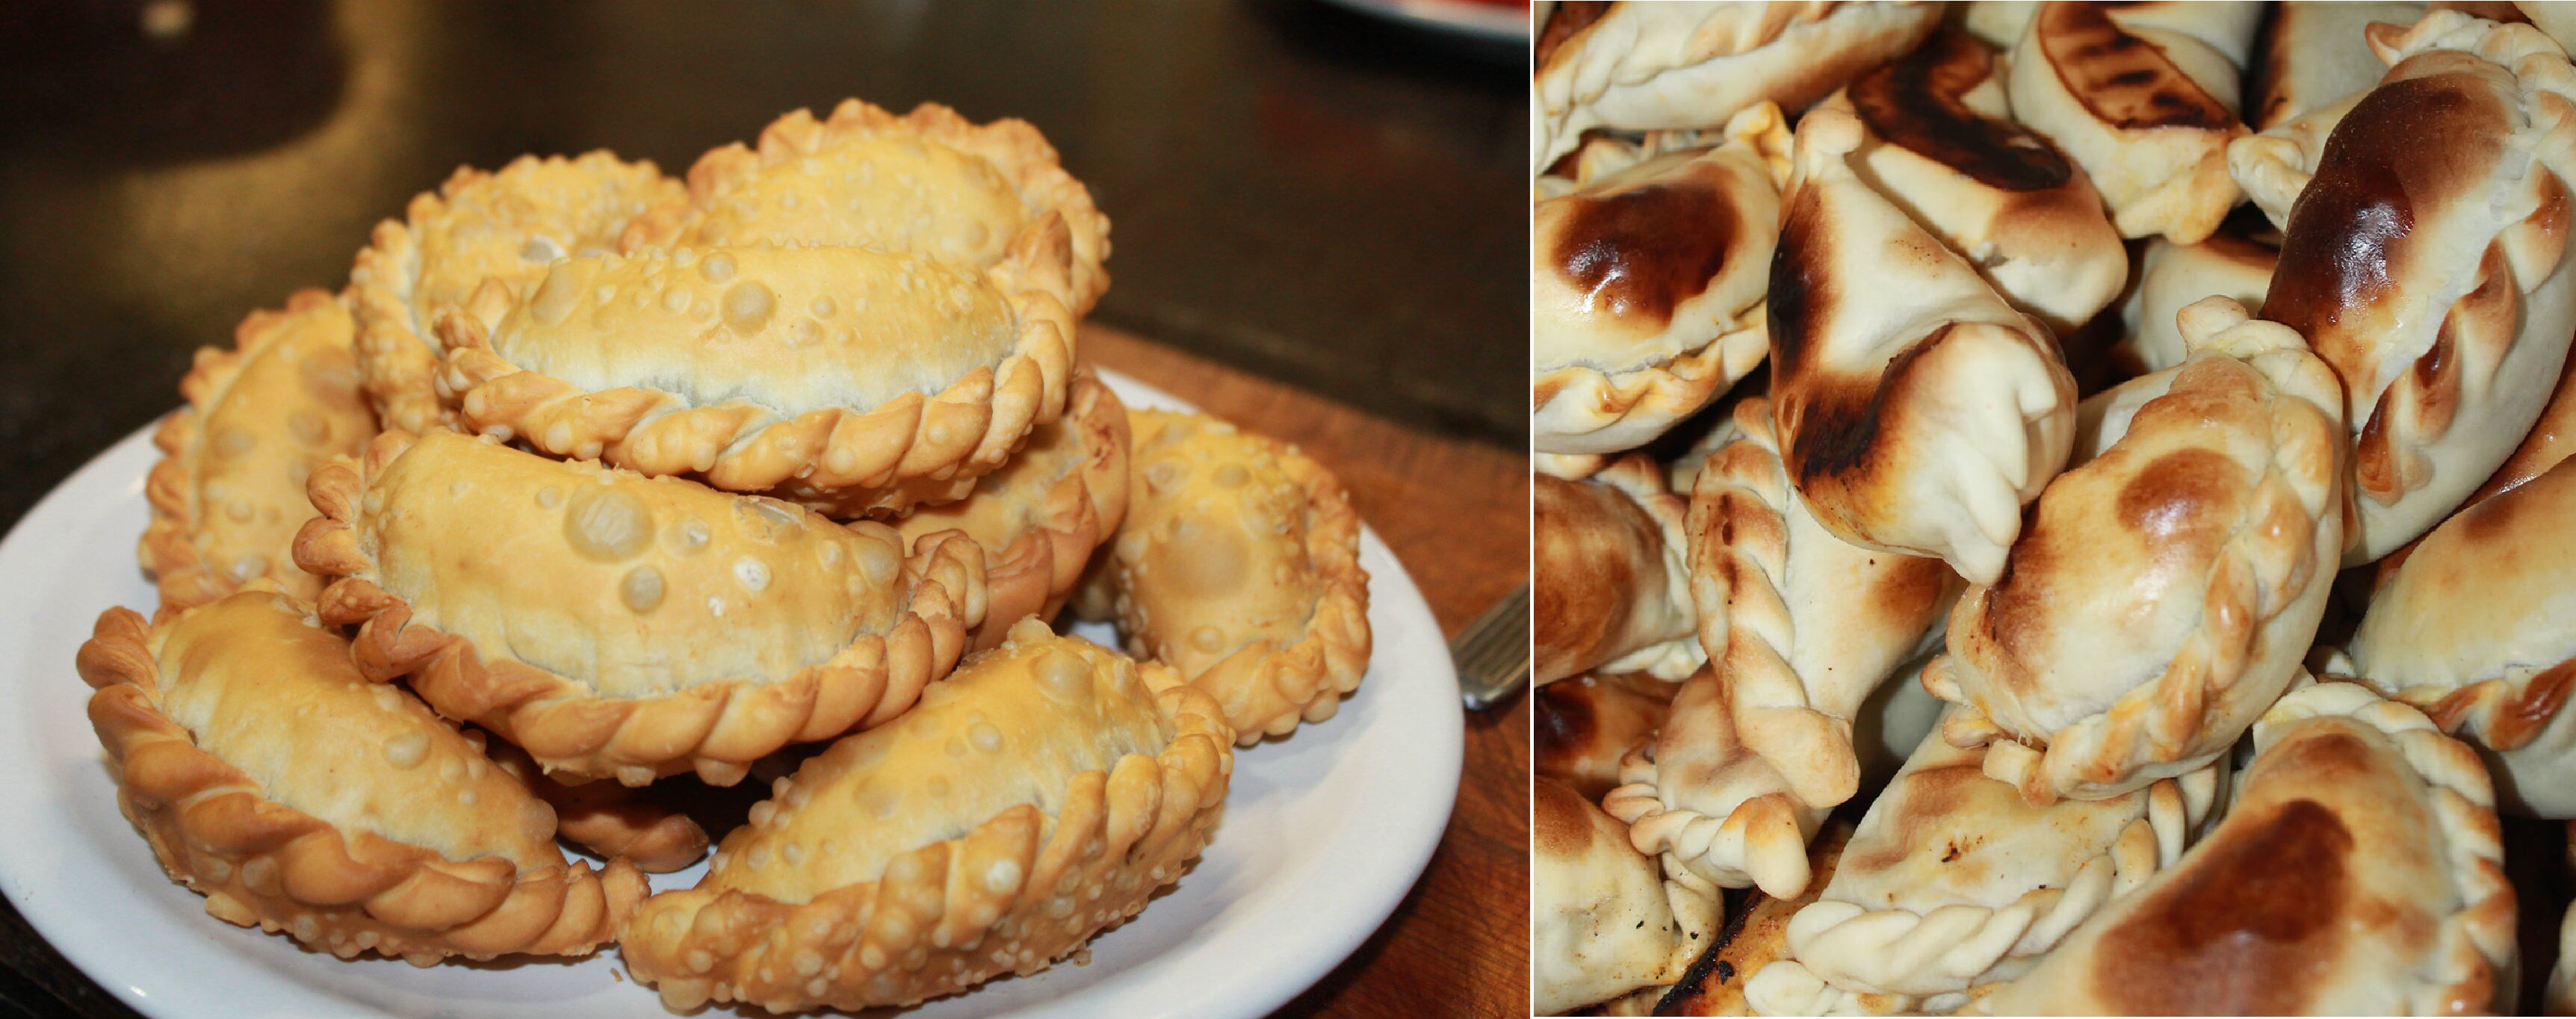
1581	727
617	626
1604	922
609	819
228	493
1035	798
2170	277
477	246
1715	813
1611	588
295	794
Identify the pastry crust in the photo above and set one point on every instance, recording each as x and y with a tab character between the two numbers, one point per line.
476	247
1039	796
1716	814
1612	592
296	795
1040	516
2171	276
1755	935
1604	923
608	819
624	627
2166	590
929	182
1579	728
228	493
851	379
1917	411
1238	565
2313	55
1803	625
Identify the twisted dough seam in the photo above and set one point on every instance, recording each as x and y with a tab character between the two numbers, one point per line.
1761	842
1580	400
716	728
609	819
258	861
2503	712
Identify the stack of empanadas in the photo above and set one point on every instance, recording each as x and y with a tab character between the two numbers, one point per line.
592	479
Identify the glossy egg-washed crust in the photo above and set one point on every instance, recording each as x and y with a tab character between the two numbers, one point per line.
1612	589
1803	625
476	247
906	618
1716	813
966	193
228	492
2165	591
1238	565
1008	893
1040	516
849	379
336	888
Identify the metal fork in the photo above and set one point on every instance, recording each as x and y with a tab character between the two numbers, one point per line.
1493	655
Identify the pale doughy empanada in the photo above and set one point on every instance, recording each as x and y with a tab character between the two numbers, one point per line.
1715	813
1604	922
1611	588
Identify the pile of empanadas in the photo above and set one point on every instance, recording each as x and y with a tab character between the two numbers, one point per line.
2050	507
595	482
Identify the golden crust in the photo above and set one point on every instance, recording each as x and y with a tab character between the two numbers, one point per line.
262	680
462	568
929	181
609	819
1040	516
1091	784
476	246
1238	565
228	492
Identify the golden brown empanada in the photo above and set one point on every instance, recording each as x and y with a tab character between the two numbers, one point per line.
228	493
1604	922
295	794
609	819
1715	812
476	247
1612	581
625	627
1038	796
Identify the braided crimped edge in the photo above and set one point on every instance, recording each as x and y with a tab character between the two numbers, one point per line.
1643	482
929	926
845	461
1011	145
1761	842
169	547
716	728
2475	944
609	819
2266	562
261	862
397	354
2502	713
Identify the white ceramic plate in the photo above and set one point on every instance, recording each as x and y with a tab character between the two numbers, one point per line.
1323	834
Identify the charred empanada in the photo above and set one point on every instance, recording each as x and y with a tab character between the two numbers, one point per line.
1611	589
1038	796
1581	727
2358	872
2167	589
1715	813
1604	922
617	626
1916	410
1039	516
228	493
2171	276
1755	935
2143	97
609	819
477	246
1238	565
851	379
295	794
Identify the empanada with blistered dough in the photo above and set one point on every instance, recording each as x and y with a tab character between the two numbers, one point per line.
1715	813
1238	565
295	794
1604	922
477	246
1612	578
850	379
618	626
228	493
1035	798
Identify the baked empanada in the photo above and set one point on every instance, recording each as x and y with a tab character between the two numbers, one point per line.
617	626
1801	625
2313	55
477	246
2165	591
1611	588
1581	727
2171	276
228	493
1604	922
2143	97
1035	798
1916	410
295	794
2358	872
1716	813
1754	936
1238	565
850	379
610	819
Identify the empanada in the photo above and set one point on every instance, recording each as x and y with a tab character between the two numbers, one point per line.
625	627
2165	591
1035	798
477	246
1801	625
1238	565
850	379
1716	813
228	493
609	819
1603	921
2143	97
1581	727
1916	410
295	794
1612	584
2313	55
2358	872
2551	439
2172	276
1754	936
